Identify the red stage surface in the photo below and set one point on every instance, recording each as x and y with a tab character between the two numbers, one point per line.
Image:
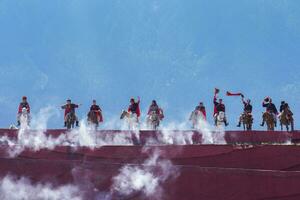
208	172
231	137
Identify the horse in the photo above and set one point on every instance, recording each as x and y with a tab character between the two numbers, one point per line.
92	119
131	119
247	121
286	119
70	120
153	120
220	119
196	116
24	118
270	121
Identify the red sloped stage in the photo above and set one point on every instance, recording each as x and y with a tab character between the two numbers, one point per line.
231	137
208	172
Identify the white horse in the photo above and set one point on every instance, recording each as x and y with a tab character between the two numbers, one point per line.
24	118
220	119
153	120
131	119
196	117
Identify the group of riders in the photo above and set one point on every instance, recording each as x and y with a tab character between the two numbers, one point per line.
155	114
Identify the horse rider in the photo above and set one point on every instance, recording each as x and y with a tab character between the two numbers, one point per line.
70	107
97	110
219	107
247	109
283	105
134	107
271	108
23	104
155	108
201	109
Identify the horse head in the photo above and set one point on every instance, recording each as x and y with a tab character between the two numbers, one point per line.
221	116
123	114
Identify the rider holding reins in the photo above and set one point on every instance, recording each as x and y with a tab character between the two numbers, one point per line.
134	107
155	108
201	109
69	108
271	108
97	110
23	104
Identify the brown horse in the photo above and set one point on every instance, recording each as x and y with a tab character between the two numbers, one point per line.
270	121
93	119
286	119
247	120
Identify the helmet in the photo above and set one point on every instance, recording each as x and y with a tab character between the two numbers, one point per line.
267	99
69	100
24	98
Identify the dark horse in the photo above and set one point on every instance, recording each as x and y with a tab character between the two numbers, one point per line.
93	118
247	121
269	119
70	120
286	119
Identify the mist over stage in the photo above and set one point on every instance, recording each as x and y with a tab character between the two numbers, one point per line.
250	165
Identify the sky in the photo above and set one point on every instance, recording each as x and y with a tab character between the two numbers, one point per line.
174	51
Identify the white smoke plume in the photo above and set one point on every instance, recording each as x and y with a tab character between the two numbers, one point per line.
34	137
146	178
12	188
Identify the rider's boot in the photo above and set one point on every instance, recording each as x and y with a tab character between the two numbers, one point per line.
77	123
226	123
239	124
65	124
18	123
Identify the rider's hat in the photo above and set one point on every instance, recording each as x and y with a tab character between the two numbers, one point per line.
69	100
24	97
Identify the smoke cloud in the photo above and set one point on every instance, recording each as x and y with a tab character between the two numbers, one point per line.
146	178
12	188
